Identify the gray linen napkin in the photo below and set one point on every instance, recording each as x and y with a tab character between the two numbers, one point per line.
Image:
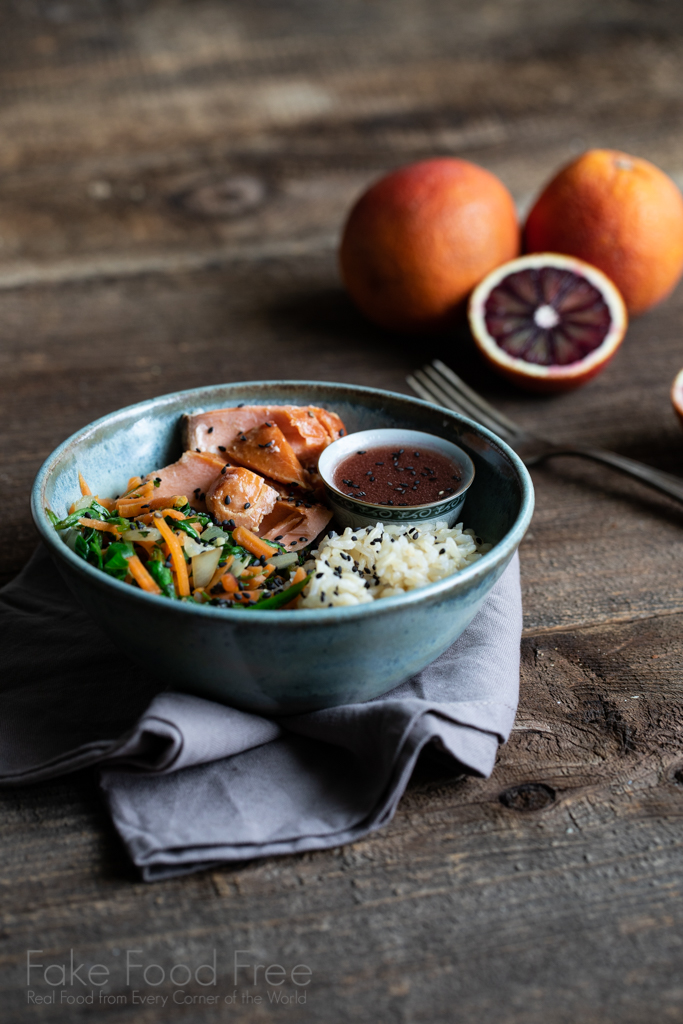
191	783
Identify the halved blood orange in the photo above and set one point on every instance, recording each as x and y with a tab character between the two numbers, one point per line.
547	322
677	395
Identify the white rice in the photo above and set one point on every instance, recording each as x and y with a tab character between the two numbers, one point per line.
364	565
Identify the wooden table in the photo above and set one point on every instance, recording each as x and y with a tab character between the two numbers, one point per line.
173	177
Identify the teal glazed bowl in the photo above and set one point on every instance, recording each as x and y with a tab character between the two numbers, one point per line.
279	663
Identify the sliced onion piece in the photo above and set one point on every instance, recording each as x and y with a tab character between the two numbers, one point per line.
238	567
204	566
282	561
134	536
193	548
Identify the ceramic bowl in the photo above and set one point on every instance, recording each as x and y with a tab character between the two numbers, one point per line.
280	663
352	511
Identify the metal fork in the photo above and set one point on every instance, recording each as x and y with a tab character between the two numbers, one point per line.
437	383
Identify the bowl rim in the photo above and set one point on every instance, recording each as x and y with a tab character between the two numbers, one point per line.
433	505
471	575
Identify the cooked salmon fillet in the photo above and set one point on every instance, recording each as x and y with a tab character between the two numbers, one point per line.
191	475
241	496
265	450
294	523
307	429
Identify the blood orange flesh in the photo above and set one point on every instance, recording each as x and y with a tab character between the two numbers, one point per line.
546	321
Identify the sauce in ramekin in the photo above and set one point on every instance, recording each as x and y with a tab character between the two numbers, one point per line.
386	475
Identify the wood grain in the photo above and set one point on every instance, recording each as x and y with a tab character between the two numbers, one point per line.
173	178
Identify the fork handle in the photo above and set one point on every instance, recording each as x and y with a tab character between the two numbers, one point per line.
664	482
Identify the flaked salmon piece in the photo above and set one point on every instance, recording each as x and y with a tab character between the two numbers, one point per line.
295	524
241	496
306	434
265	450
330	421
216	430
192	475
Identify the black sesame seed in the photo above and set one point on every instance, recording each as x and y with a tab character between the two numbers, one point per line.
247	504
416	454
210	430
443	551
341	433
231	524
379	463
360	453
302	538
280	536
241	405
227	499
318	575
197	449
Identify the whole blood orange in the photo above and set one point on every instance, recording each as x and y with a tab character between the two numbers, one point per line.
547	322
418	241
620	213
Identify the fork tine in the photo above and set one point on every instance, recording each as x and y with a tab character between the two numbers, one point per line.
467	392
419	389
430	390
443	387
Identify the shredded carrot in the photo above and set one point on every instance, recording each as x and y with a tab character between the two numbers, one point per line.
141	491
106	503
177	556
246	539
142	577
97	524
84	487
140	509
229	583
246	595
172	512
146	519
131	509
290	604
299	575
134	482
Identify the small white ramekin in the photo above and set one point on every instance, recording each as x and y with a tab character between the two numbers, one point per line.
356	512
